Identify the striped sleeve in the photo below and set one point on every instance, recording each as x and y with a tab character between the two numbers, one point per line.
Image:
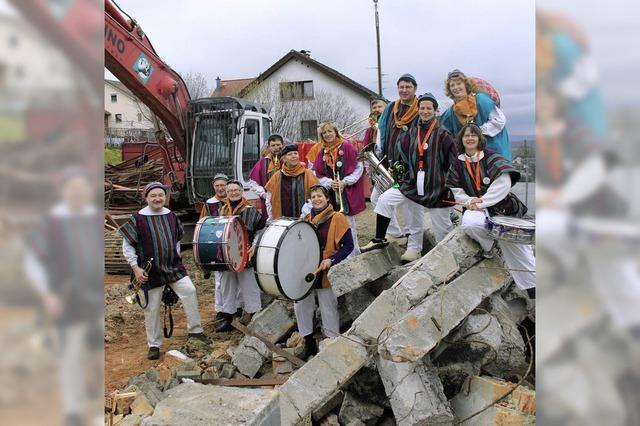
129	231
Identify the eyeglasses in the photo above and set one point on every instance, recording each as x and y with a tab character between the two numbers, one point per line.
233	191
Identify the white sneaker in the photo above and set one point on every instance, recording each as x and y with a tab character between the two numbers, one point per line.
410	256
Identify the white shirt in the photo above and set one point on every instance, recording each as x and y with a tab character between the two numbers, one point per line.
496	192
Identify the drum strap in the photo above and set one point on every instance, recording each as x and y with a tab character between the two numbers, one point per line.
169	298
167	333
145	290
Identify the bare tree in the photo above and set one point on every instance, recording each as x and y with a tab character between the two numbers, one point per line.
287	115
197	84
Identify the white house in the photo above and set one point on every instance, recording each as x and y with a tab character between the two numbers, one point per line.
29	64
301	93
123	112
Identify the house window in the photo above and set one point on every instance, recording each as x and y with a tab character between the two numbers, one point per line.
309	129
114	97
139	117
118	118
296	90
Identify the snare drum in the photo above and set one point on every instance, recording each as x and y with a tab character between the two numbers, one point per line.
286	252
511	229
221	244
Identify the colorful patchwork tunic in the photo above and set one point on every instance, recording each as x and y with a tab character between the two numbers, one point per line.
157	237
437	157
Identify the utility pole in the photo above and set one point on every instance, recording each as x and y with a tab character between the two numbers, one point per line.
375	4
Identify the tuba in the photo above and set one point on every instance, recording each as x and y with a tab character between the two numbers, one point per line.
380	176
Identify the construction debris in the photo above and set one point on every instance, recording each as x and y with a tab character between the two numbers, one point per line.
195	404
517	408
356	409
415	392
353	273
123	182
420	337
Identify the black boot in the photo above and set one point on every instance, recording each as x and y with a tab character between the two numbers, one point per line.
225	323
310	347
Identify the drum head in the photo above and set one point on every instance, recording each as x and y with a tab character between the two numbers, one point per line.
220	243
513	221
236	250
298	255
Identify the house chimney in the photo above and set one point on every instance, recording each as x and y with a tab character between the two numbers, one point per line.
218	82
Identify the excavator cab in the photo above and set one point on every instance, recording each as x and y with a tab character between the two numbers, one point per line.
227	136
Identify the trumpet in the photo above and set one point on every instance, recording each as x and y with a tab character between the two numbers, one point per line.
135	285
336	177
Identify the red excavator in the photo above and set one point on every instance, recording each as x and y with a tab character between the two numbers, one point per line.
212	135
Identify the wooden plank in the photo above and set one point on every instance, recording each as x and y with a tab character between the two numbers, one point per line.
294	359
263	381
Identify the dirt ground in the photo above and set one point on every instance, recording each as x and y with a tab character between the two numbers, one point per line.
125	341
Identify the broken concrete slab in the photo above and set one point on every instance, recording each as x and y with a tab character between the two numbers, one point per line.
130	420
518	408
249	355
354	409
333	402
195	404
355	272
273	322
415	392
306	390
425	325
280	365
357	301
483	342
141	406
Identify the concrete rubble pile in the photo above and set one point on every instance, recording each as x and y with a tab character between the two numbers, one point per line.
428	343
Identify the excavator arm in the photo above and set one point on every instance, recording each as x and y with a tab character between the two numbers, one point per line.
130	57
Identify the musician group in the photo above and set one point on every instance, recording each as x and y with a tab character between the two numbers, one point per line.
431	162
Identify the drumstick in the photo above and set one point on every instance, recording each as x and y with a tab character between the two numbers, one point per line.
455	203
311	275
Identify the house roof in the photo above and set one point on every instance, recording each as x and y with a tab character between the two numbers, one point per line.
293	54
231	87
120	86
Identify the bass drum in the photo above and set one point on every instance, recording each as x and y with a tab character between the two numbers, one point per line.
221	243
286	252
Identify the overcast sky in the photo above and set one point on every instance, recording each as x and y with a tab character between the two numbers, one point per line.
492	39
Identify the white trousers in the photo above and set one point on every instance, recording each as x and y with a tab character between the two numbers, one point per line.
232	283
217	277
305	308
440	222
73	379
394	227
186	291
354	235
440	218
516	256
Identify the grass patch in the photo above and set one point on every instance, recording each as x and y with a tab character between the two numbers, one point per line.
112	156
